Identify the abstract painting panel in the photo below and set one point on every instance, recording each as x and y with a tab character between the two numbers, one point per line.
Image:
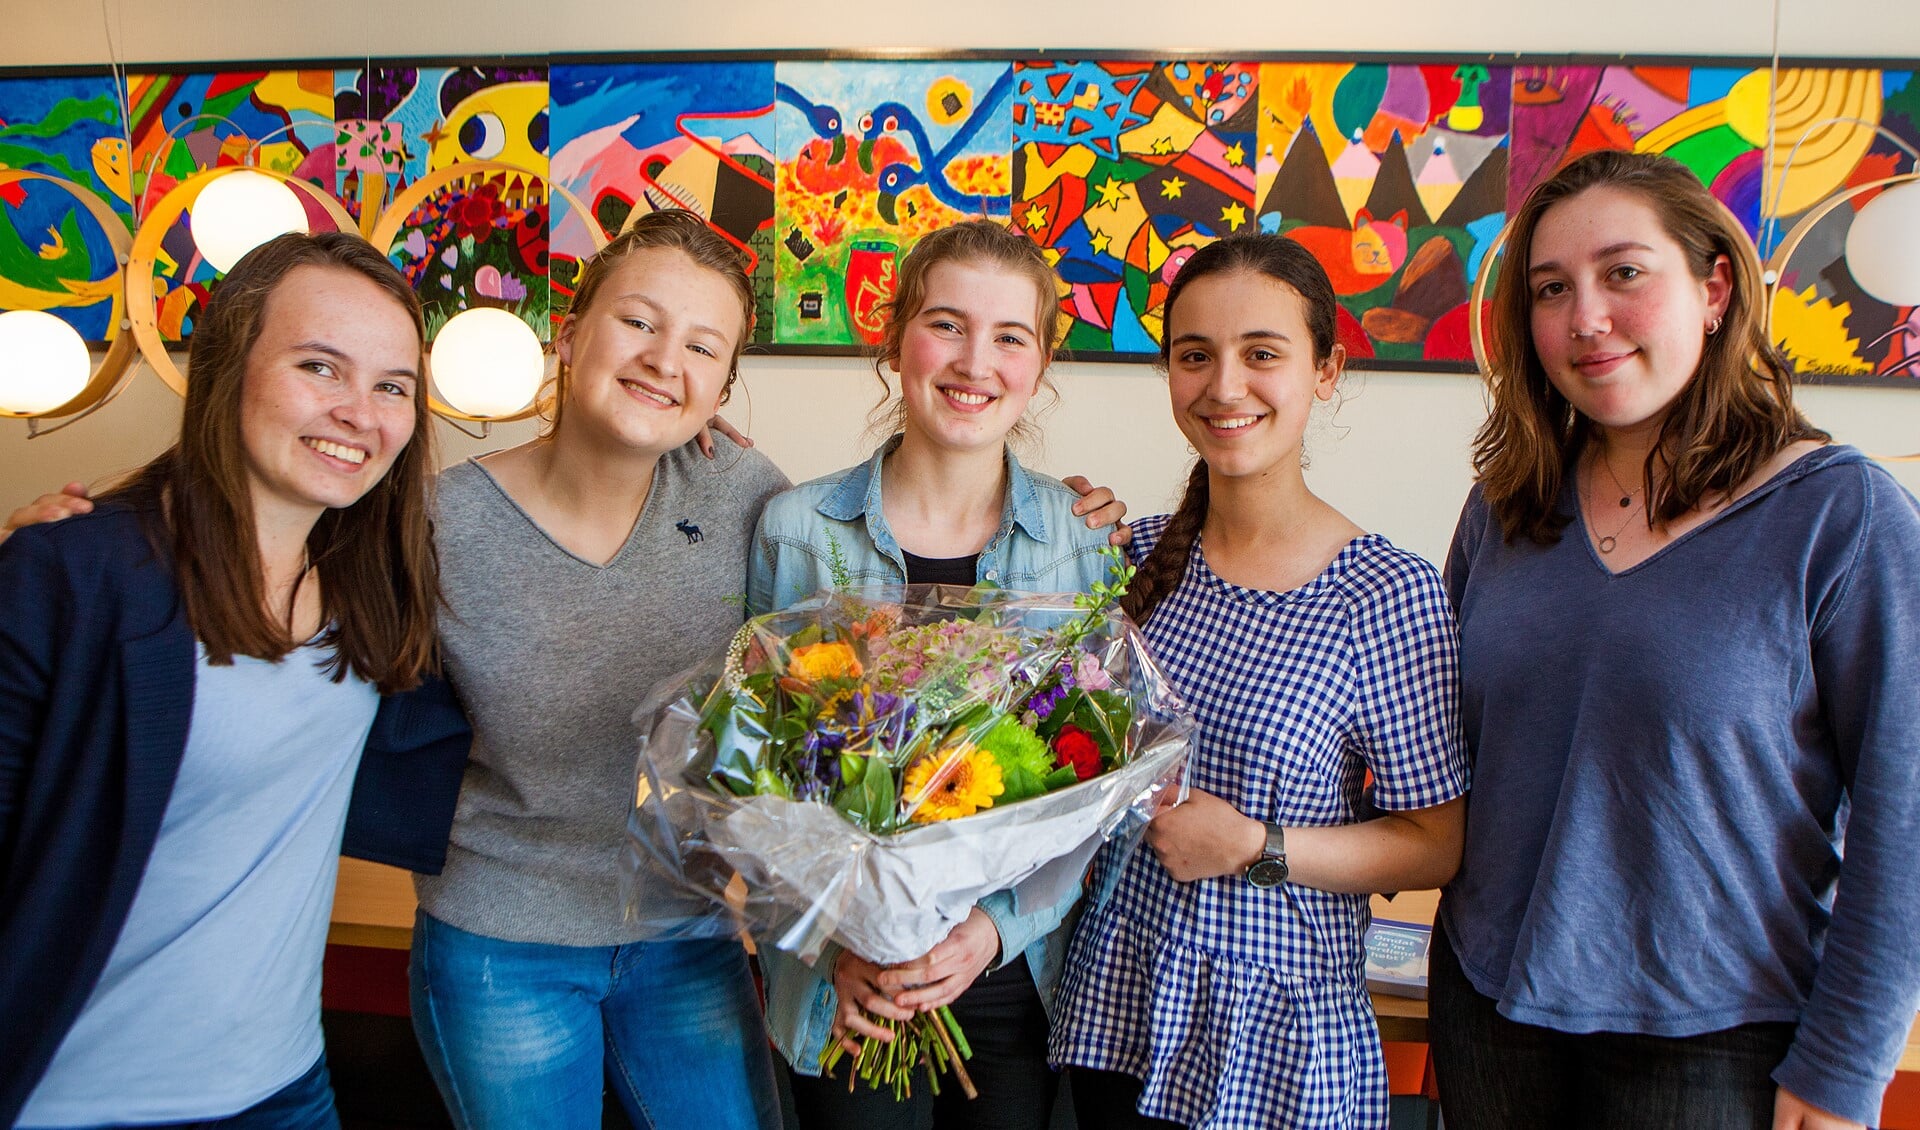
870	157
1395	177
643	136
1122	171
53	255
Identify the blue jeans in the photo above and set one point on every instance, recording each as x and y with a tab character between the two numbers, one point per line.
304	1104
522	1036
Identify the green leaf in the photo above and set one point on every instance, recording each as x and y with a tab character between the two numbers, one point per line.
1060	778
1020	783
879	800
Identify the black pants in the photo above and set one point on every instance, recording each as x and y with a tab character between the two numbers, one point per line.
1007	1028
1107	1100
1496	1074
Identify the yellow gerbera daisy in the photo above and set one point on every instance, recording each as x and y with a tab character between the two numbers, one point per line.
817	661
958	781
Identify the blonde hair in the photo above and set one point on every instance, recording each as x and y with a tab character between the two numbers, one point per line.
973	242
674	229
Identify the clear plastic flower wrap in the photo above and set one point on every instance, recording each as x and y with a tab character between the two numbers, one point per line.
864	767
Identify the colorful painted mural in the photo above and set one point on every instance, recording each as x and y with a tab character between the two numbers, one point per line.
1395	177
1121	172
1821	317
184	122
870	157
1398	176
668	135
53	255
1715	120
480	240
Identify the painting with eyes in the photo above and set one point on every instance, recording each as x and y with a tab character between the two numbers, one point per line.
1398	176
1715	121
481	240
871	157
53	255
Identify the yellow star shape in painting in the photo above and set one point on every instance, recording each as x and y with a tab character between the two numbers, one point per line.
1036	217
1100	241
1112	192
1162	146
1171	187
1235	154
1234	215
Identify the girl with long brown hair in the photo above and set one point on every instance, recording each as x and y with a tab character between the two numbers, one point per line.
191	682
1222	981
1687	896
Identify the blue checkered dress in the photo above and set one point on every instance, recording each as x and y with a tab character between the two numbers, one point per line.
1241	1007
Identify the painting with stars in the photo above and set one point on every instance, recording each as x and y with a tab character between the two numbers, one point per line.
1395	177
872	156
1120	172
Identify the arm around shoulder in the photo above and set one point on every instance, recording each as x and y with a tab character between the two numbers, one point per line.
409	779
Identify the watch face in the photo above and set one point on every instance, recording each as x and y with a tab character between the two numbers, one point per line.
1267	873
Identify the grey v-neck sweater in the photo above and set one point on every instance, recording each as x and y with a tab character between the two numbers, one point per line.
550	654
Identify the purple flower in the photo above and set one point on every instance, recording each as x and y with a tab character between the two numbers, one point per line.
1043	703
819	767
878	717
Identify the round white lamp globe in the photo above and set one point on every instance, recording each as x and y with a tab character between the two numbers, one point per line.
487	363
238	212
1883	246
43	362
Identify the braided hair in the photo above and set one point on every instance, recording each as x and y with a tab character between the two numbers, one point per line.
1284	261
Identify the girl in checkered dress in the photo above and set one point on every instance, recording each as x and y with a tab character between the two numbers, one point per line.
1221	980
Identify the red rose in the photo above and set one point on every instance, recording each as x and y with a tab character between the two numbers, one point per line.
1074	746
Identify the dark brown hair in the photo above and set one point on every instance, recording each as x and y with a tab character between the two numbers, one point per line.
674	229
378	572
1286	262
1733	415
971	241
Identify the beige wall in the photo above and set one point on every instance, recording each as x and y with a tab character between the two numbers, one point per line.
1395	456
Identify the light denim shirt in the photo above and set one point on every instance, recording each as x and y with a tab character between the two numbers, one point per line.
1041	546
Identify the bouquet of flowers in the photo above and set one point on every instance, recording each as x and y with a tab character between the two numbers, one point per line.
865	767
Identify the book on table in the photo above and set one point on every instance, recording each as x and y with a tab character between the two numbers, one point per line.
1397	958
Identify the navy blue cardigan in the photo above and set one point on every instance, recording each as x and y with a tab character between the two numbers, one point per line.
96	693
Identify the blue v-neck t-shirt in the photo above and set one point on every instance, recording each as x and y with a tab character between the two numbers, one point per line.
1696	785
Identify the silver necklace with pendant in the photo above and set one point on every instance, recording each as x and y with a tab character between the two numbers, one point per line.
1626	499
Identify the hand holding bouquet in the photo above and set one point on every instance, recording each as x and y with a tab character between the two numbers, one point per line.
873	764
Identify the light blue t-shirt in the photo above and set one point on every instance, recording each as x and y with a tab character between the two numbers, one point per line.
210	1001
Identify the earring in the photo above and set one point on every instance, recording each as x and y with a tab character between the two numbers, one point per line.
1713	327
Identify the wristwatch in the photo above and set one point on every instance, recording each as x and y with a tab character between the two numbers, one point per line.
1270	870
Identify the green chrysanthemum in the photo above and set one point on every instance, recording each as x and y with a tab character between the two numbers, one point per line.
1022	756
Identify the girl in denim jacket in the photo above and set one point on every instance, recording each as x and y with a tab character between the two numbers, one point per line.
970	335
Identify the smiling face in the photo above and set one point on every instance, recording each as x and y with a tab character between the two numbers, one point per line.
1618	319
970	358
648	360
329	396
1241	372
